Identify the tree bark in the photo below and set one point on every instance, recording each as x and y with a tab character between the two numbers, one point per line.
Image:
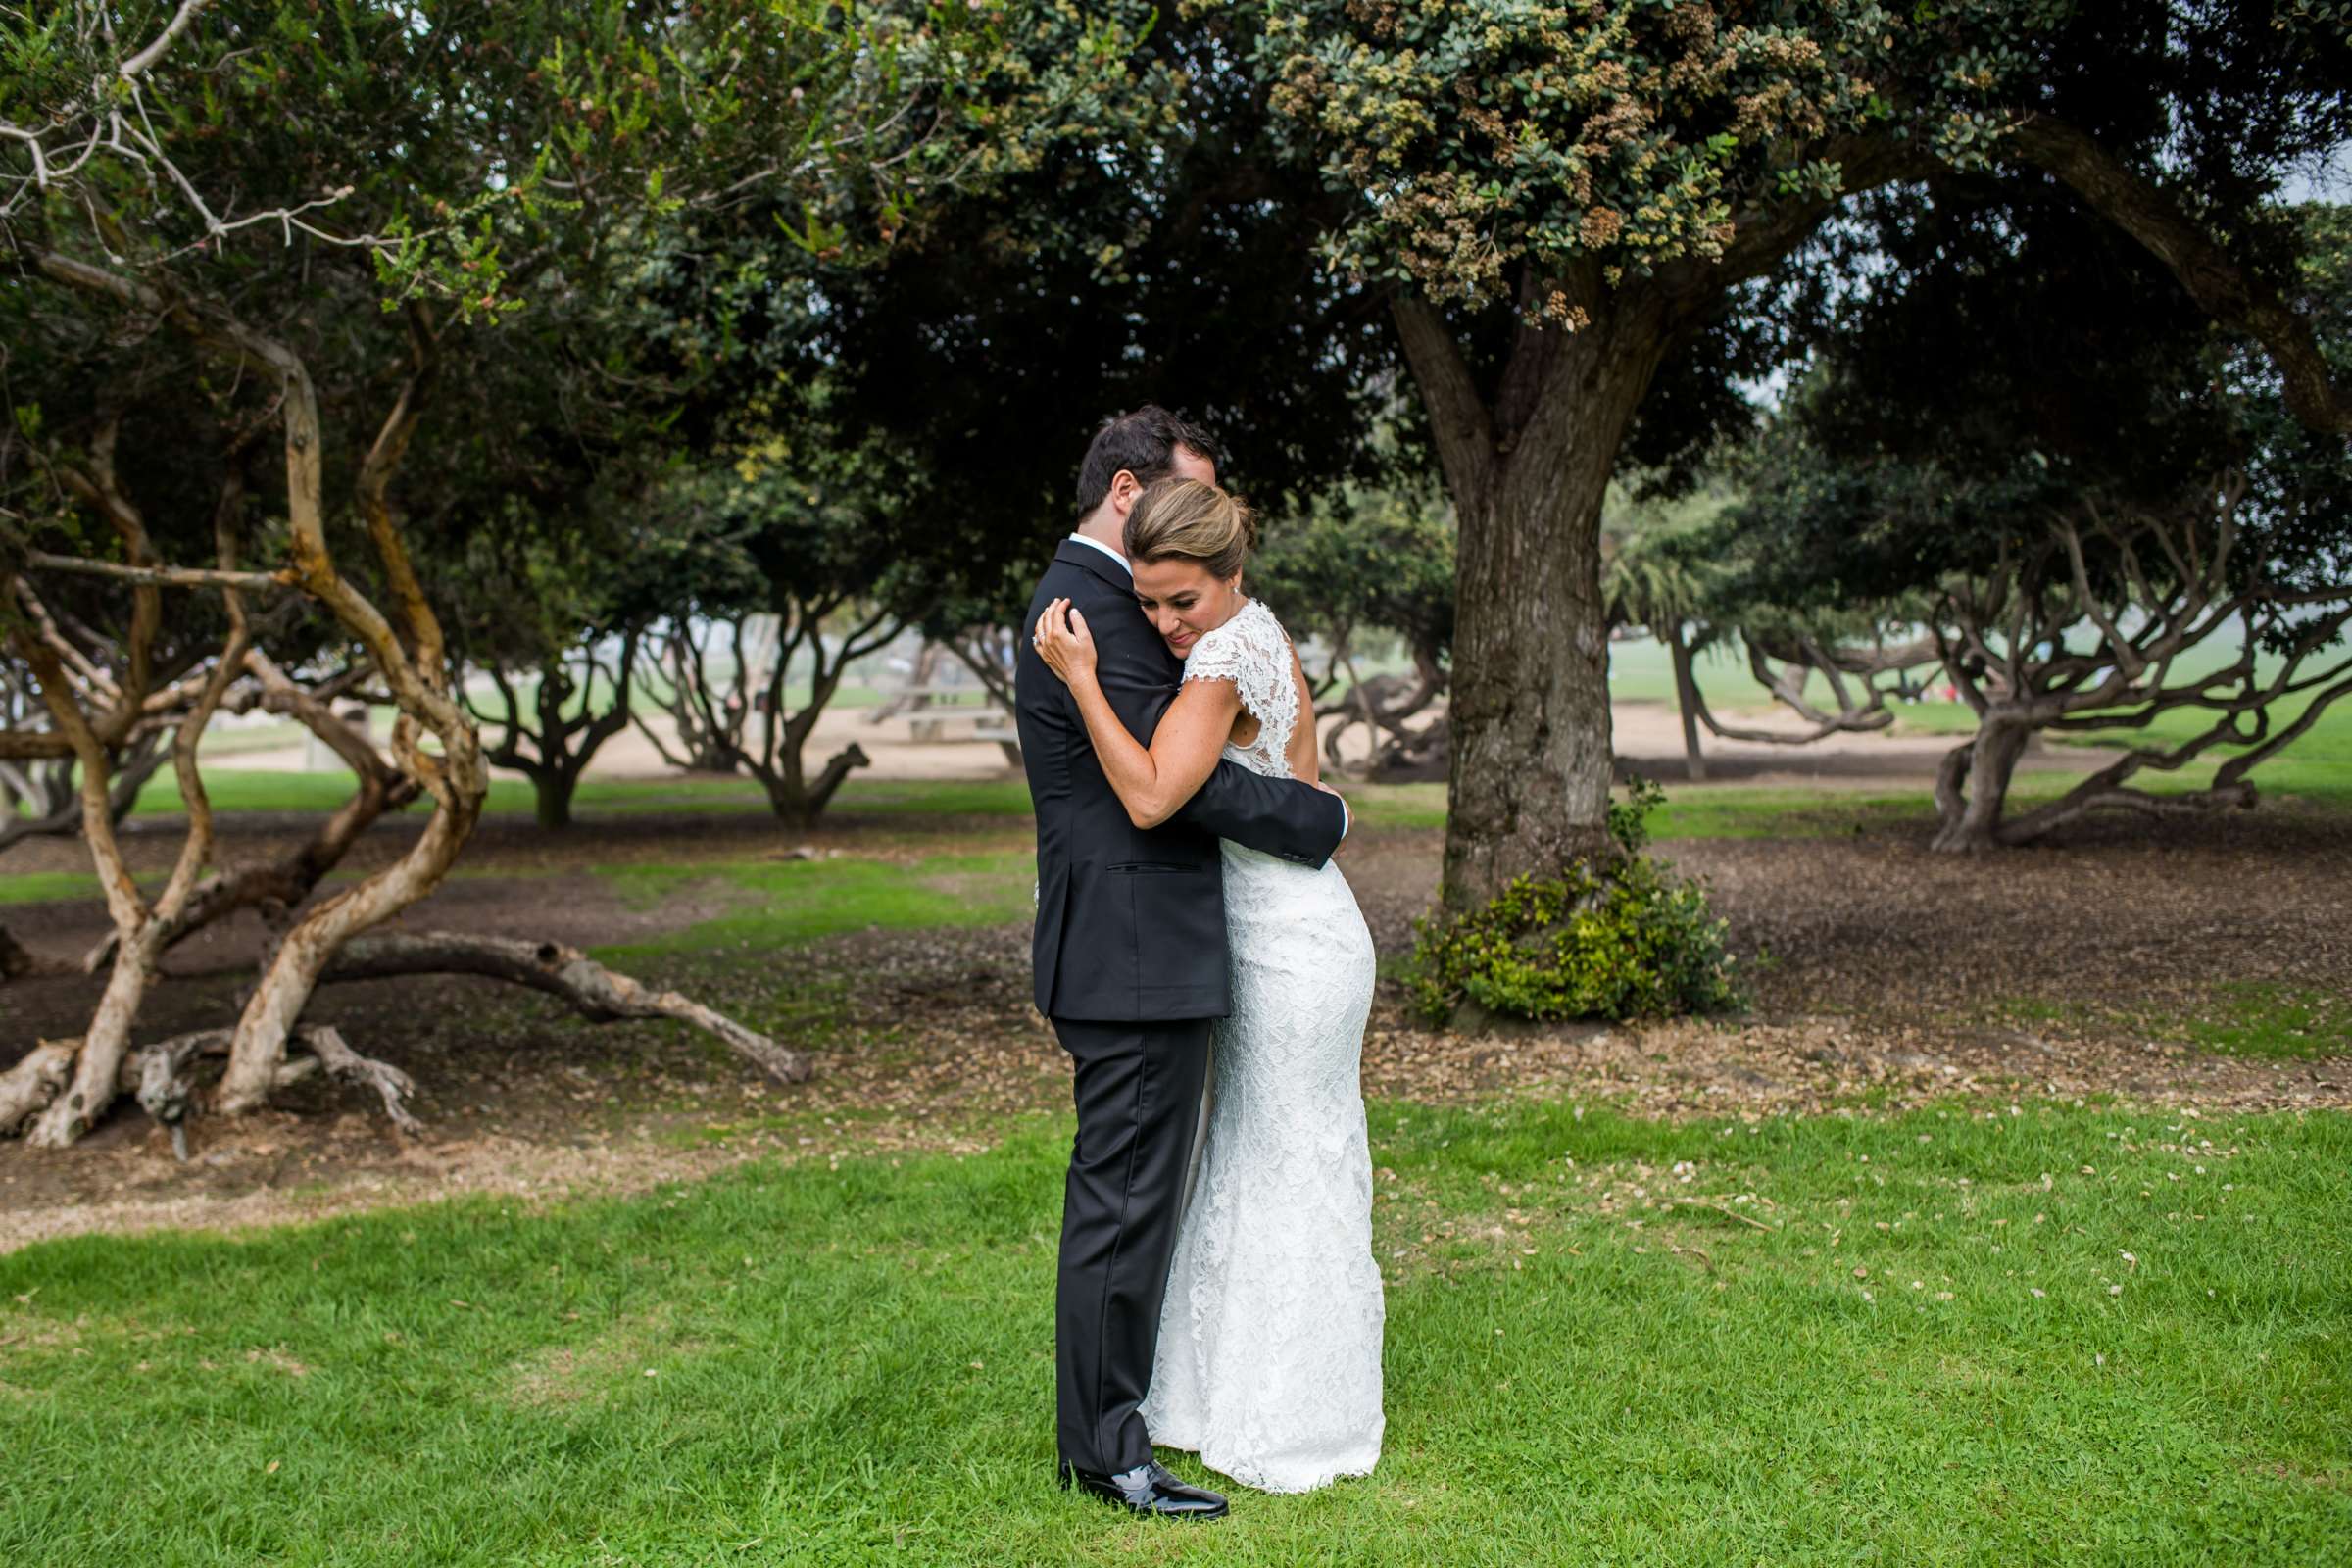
286	984
97	1068
35	1079
1531	764
551	798
415	668
1971	812
1685	699
280	887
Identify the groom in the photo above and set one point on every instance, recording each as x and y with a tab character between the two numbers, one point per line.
1130	955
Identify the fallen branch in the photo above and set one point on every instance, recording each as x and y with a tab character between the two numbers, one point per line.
595	993
162	1076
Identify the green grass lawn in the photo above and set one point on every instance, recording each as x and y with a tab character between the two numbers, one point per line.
772	904
2060	1336
2317	766
2317	770
2235	1018
46	887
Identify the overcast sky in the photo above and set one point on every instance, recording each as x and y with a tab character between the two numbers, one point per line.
2330	182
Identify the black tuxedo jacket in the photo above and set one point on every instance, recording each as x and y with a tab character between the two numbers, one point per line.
1131	922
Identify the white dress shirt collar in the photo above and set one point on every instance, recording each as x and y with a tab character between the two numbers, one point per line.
1097	544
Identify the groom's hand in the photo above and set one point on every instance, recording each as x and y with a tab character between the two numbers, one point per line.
1347	818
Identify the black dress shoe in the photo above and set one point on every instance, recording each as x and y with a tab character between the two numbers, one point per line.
1148	1489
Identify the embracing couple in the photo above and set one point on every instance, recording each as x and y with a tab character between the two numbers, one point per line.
1218	1290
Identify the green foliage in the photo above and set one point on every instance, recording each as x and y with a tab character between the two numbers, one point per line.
1479	146
1480	138
601	217
451	142
1629	818
1616	941
1661	564
1362	558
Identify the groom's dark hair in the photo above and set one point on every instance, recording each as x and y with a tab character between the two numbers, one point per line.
1144	443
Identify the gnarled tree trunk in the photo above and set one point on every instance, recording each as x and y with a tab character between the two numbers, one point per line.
564	744
1686	696
415	668
279	887
1972	785
1531	764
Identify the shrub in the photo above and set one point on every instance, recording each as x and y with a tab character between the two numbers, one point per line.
1613	942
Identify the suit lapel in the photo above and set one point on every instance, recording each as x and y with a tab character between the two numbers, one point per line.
1095	562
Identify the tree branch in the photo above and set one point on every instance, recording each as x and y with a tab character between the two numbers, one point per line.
595	993
1459	417
2223	288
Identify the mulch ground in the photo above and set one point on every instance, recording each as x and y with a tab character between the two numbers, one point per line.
1879	974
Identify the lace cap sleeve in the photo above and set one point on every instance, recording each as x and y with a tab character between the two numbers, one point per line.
1253	652
1219	656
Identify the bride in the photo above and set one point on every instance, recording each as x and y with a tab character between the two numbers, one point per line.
1268	1363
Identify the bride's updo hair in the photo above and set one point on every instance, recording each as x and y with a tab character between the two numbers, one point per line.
1187	519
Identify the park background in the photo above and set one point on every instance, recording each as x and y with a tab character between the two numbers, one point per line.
511	523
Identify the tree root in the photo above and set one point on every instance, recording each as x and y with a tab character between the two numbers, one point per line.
162	1076
388	1080
26	1087
2240	795
591	990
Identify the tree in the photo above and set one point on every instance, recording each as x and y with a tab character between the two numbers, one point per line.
1358	561
806	532
1152	253
450	163
1559	202
555	621
563	726
2069	520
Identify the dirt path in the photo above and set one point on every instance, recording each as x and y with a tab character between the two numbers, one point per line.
1891	980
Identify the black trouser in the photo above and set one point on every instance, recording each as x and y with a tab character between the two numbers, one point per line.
1139	1098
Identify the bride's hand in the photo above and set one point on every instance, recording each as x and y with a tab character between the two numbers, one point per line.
1064	641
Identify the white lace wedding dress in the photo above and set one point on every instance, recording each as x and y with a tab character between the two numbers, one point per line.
1269	1341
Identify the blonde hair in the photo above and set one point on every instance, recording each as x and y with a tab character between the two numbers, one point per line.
1188	520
